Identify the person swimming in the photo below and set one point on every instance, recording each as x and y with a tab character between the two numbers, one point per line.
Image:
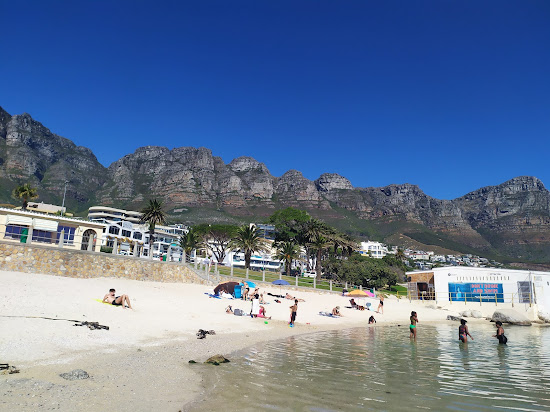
463	332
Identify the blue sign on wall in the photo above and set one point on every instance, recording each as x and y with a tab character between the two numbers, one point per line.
478	292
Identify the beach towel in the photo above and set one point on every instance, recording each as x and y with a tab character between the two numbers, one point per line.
255	307
328	314
212	295
107	303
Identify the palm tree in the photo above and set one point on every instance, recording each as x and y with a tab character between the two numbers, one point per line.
288	252
153	214
25	192
248	240
191	240
320	237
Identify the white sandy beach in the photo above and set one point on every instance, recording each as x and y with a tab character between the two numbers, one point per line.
141	362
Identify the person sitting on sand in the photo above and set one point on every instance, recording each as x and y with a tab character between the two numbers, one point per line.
229	309
353	303
336	311
262	300
262	313
121	300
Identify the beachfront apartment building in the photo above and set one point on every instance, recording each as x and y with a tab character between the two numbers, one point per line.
110	214
127	236
30	227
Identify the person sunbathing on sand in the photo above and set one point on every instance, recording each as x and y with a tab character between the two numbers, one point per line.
121	300
336	311
288	296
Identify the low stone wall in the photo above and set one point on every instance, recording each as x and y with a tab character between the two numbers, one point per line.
83	264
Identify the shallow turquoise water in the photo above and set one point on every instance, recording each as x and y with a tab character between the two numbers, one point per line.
381	369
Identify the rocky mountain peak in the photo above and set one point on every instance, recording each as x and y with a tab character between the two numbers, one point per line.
245	164
332	181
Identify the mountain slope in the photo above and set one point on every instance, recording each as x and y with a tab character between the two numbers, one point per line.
510	221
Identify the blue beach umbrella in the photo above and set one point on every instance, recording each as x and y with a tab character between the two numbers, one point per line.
250	284
280	282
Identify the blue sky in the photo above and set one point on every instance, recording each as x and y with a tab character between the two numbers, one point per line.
448	95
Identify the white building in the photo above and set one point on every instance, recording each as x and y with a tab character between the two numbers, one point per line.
484	285
106	214
373	249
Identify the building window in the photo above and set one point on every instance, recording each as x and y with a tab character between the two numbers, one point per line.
137	235
113	230
68	234
42	236
15	231
126	233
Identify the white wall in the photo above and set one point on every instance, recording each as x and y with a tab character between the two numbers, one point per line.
507	277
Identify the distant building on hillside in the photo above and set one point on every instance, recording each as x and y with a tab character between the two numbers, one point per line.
373	249
46	208
110	214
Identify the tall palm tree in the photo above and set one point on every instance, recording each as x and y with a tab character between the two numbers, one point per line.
153	214
191	240
248	240
288	252
25	192
320	237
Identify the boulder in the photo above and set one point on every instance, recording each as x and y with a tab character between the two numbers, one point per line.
217	359
544	316
74	375
466	313
454	318
477	314
510	316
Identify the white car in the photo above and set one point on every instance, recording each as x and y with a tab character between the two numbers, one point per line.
311	274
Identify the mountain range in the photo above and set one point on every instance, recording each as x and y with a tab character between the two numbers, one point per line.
509	222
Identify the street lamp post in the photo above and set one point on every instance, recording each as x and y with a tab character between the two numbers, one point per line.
64	193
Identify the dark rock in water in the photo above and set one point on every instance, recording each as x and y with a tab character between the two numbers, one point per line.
510	316
192	361
75	375
217	359
451	317
5	369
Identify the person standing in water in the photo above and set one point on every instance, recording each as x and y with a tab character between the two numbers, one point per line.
502	339
381	304
412	327
463	332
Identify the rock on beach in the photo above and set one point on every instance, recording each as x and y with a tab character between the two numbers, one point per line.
510	316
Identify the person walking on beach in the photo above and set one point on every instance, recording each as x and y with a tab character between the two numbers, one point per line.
121	300
412	327
502	339
381	304
463	331
293	310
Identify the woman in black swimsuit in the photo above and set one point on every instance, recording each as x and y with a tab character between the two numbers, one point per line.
502	339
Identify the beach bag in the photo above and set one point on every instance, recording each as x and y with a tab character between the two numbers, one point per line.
238	312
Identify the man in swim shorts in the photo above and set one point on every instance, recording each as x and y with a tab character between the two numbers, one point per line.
121	300
293	311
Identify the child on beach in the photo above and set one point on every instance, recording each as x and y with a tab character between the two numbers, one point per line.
293	311
463	331
412	327
502	339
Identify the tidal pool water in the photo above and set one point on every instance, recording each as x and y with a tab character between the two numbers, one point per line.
380	369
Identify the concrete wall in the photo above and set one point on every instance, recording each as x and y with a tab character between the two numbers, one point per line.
83	264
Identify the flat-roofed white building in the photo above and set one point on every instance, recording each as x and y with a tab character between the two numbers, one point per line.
373	249
24	226
482	285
